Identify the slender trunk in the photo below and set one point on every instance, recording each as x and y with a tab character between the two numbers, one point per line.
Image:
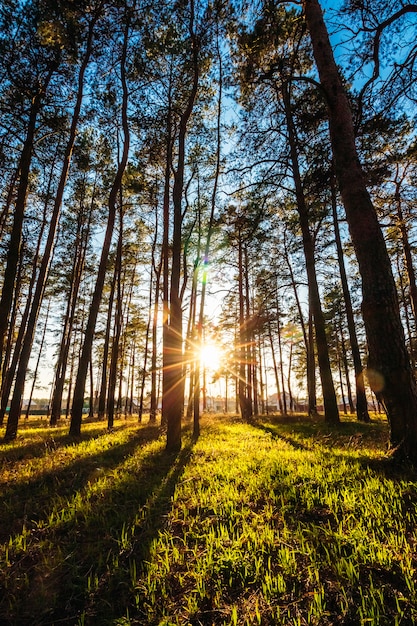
78	399
145	359
408	257
101	411
339	369
389	369
154	382
244	403
308	342
70	383
331	411
132	377
173	348
38	360
115	351
16	403
256	396
208	240
311	368
274	362
344	360
361	401
165	262
248	333
406	304
289	376
191	342
281	362
13	251
83	232
91	399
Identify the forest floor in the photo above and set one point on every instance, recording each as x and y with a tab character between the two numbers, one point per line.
281	521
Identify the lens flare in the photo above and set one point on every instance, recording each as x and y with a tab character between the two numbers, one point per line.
211	356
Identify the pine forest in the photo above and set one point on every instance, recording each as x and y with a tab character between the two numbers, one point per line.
208	312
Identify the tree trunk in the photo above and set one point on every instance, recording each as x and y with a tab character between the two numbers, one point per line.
276	374
16	403
331	411
79	389
208	242
308	342
38	360
244	403
117	325
154	382
408	257
13	251
76	275
389	369
346	369
173	398
361	401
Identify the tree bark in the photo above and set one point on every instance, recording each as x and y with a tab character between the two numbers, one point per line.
173	400
244	403
16	402
361	401
331	411
13	251
389	369
79	389
64	349
117	325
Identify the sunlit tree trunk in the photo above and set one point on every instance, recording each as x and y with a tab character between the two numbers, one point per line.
154	377
102	396
389	369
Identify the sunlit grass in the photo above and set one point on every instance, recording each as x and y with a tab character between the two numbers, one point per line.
275	522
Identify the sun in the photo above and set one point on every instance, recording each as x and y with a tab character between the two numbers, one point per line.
210	356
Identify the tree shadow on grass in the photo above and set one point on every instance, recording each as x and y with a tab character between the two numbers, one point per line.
27	501
39	445
277	435
80	570
348	436
117	592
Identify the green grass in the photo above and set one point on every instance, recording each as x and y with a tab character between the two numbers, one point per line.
276	522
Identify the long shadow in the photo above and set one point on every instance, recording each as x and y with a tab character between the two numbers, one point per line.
346	435
26	502
118	585
275	435
18	450
90	547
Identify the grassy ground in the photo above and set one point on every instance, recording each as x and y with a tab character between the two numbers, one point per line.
277	522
